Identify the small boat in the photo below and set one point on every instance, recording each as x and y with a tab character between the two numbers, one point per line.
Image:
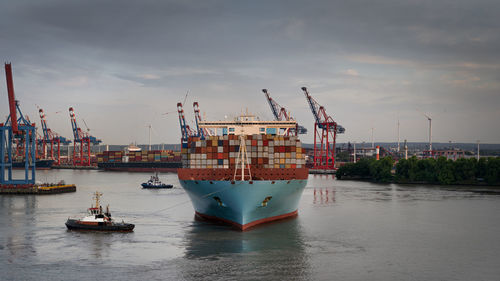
154	182
98	220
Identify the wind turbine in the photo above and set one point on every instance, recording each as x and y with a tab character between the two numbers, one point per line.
430	131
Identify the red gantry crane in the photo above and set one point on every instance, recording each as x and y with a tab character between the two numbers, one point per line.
51	141
281	114
81	154
325	135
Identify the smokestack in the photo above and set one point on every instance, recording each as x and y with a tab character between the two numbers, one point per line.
377	151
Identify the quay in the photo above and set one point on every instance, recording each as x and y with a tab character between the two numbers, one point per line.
322	171
75	167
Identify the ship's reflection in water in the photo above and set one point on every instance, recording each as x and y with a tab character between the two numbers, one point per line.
269	251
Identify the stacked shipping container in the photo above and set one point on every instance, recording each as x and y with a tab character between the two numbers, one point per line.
139	156
263	151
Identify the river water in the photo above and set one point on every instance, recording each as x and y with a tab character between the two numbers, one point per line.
345	230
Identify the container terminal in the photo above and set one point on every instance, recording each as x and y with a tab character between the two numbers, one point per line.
85	151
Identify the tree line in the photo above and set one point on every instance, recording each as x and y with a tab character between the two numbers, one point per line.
430	170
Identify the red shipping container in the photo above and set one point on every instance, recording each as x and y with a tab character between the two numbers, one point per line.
254	142
220	155
265	142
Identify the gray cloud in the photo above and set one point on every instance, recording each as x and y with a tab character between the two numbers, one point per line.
127	62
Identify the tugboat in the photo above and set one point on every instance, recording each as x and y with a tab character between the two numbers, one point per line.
154	182
97	220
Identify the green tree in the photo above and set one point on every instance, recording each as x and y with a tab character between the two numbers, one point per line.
492	174
380	170
445	173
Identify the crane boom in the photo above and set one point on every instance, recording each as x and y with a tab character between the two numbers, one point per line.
197	117
12	98
185	131
280	113
320	114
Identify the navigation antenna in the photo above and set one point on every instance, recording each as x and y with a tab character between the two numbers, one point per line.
243	160
97	196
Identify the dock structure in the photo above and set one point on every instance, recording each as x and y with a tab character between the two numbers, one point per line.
322	171
14	189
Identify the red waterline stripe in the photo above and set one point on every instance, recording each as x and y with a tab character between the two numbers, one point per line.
250	224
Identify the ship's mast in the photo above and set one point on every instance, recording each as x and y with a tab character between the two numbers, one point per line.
97	196
243	159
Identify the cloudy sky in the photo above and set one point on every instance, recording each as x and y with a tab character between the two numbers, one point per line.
124	64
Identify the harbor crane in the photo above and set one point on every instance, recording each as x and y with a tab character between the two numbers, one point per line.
16	131
81	154
325	134
202	132
51	141
281	114
185	130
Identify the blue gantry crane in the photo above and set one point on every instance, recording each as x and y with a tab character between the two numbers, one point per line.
281	114
19	131
185	130
51	141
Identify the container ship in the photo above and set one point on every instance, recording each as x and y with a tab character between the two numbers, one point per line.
249	172
135	160
40	164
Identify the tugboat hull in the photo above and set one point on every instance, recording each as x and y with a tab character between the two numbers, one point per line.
72	224
145	185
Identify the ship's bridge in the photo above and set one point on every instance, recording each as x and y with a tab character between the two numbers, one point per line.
249	125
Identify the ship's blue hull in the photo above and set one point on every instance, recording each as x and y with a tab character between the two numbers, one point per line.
243	203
